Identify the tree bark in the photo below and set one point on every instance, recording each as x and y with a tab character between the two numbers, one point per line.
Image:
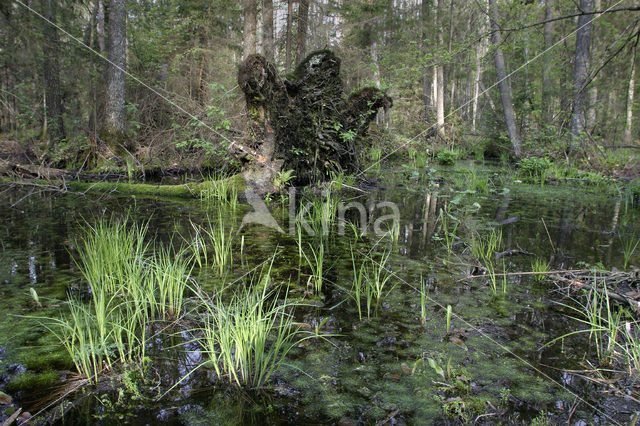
288	49
503	82
114	127
267	29
630	95
481	50
580	74
439	74
303	25
592	93
306	123
547	84
249	42
51	72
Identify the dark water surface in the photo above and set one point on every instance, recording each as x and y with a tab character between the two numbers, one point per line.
374	369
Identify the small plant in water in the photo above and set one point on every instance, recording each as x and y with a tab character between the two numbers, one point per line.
248	337
370	281
316	262
629	246
540	266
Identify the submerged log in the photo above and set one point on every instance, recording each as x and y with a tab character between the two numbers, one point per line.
303	122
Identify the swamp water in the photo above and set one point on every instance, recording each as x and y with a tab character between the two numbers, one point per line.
400	365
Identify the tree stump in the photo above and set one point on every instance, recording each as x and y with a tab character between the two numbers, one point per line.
304	122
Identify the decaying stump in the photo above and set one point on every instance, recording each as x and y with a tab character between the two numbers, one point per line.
304	122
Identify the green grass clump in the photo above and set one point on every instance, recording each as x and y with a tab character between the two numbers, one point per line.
222	190
370	282
485	249
540	266
315	260
216	236
248	337
129	289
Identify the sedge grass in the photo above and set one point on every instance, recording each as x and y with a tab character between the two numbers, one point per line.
629	246
370	281
485	249
171	274
601	321
221	190
128	290
540	266
315	260
424	297
248	337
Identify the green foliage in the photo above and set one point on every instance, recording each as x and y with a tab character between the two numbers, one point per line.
540	265
447	157
535	168
370	281
248	337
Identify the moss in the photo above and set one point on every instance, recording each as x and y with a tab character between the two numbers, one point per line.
30	380
46	359
9	411
188	190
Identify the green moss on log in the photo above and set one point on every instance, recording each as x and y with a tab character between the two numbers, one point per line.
187	190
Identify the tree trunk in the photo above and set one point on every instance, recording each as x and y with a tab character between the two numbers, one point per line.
250	11
580	74
113	130
439	74
267	29
100	26
427	98
51	73
481	50
288	37
593	89
630	92
303	24
503	82
547	84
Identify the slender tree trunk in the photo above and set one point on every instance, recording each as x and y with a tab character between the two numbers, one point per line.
592	93
439	74
100	27
112	131
303	25
580	74
51	73
503	82
547	84
288	37
630	92
249	42
481	50
267	29
427	97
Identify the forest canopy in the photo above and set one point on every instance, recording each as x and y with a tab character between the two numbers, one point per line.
99	84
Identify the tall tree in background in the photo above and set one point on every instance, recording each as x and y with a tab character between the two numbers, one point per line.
249	39
53	120
503	81
547	87
580	74
288	49
438	74
630	93
592	93
115	120
303	25
267	29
